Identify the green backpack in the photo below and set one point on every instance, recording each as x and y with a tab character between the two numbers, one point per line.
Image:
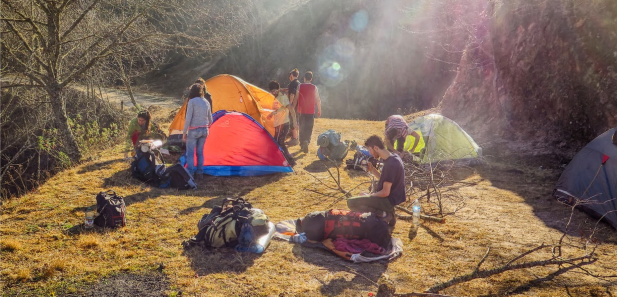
224	223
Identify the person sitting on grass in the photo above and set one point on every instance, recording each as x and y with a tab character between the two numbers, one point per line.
141	128
390	189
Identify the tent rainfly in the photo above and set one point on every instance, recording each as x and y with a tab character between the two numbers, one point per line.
590	180
233	94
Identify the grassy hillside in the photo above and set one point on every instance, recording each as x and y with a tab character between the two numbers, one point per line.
507	206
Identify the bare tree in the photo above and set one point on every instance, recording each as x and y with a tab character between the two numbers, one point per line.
50	44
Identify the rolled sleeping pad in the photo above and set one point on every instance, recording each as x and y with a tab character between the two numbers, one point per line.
260	245
364	150
320	154
323	140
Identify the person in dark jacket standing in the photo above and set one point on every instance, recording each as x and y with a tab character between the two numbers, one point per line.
308	97
292	87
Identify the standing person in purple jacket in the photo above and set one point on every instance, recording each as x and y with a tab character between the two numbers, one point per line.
196	126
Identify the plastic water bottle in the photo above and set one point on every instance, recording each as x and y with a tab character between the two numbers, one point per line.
89	223
416	213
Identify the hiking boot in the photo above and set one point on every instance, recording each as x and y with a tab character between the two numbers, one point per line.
198	177
187	244
392	220
293	141
387	216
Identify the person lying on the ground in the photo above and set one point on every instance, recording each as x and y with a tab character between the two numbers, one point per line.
346	225
390	189
141	128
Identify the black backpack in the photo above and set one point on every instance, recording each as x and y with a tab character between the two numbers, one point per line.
111	210
177	177
360	161
144	167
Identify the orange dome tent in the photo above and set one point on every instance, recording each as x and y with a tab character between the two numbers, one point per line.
234	94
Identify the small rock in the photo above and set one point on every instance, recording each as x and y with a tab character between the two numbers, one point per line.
161	267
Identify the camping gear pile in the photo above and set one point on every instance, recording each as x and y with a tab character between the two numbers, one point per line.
354	236
235	223
148	166
331	147
361	159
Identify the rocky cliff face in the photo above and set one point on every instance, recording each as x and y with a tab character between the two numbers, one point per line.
540	73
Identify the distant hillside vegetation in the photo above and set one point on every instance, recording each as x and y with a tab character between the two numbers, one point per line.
370	58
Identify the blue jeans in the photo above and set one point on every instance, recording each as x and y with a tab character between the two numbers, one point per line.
195	140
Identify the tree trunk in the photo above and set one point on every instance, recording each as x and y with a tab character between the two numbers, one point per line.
62	123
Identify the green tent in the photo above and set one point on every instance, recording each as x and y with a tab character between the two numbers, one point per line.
443	140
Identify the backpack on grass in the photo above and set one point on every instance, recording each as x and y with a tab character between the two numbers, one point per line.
223	225
111	209
144	167
177	177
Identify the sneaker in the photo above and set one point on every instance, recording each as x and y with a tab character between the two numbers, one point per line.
293	141
392	220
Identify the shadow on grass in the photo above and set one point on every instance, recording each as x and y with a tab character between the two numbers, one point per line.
81	229
149	283
205	261
364	273
209	186
99	165
234	186
322	166
533	178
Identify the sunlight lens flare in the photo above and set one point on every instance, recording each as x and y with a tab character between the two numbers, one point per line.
359	21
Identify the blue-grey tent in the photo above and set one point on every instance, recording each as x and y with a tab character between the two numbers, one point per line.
590	180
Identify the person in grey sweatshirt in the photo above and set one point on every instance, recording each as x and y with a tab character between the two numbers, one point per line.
196	125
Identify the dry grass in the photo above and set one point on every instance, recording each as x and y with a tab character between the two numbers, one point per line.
46	250
10	245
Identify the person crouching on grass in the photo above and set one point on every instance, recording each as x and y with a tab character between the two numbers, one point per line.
281	119
140	128
390	190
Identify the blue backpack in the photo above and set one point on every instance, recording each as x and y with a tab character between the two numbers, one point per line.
145	168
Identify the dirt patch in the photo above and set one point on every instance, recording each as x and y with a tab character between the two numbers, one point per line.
127	284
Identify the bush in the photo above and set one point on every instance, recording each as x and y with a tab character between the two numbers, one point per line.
31	148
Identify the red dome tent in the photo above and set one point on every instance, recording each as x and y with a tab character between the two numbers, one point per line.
239	146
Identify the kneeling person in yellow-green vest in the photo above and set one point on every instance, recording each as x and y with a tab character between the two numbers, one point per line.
398	136
390	190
